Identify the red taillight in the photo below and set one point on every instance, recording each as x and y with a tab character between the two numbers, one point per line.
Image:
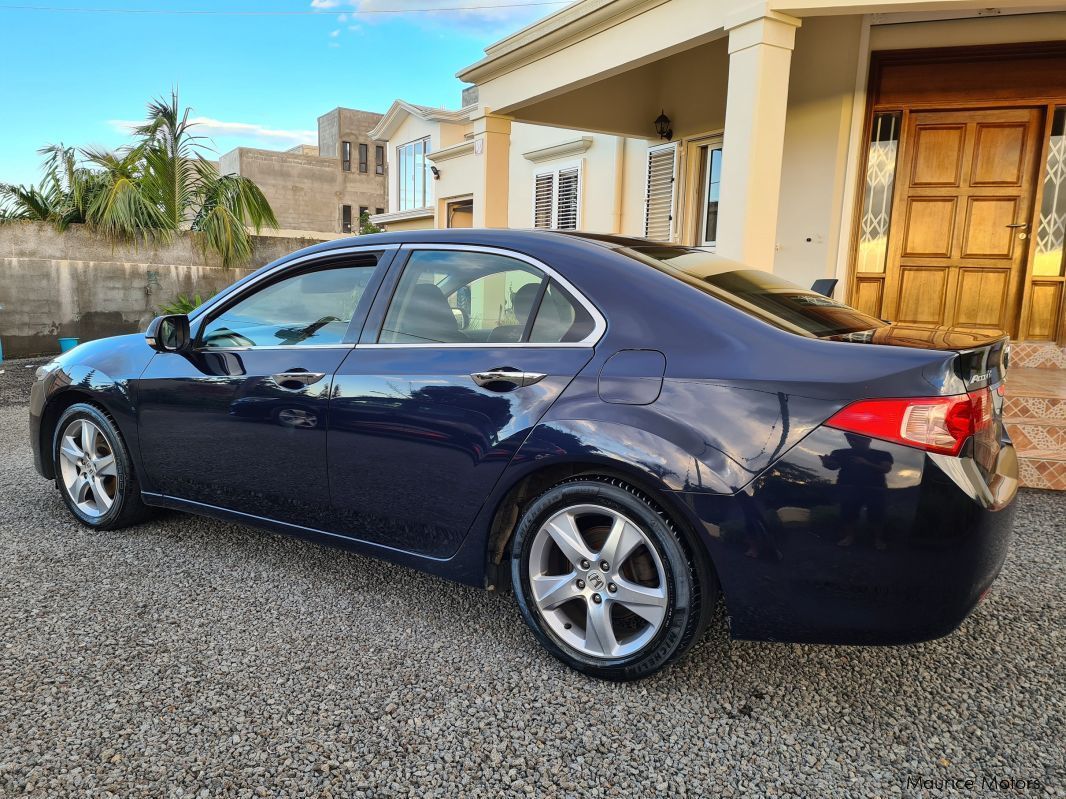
936	424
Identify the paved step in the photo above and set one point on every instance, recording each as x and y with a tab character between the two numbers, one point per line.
1034	411
1037	355
1043	472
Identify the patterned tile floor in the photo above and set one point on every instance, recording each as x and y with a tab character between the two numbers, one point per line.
1035	412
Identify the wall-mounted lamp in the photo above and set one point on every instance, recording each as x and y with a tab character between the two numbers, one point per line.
662	127
436	172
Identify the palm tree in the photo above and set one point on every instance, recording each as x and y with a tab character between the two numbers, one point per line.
152	189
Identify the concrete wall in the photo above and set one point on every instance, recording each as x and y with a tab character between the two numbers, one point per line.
307	185
306	191
78	284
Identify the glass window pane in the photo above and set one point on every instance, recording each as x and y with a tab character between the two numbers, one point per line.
310	308
877	195
714	182
401	180
1051	231
418	173
560	318
452	297
427	176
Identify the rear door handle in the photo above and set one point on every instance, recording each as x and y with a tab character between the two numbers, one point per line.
506	375
297	378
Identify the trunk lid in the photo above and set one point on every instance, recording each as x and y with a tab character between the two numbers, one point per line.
980	359
974	363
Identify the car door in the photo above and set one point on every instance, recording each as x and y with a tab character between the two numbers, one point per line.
239	420
464	351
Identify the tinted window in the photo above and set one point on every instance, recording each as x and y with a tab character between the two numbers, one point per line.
758	293
453	297
456	297
560	318
309	308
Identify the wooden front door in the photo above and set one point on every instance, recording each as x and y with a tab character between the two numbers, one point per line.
960	228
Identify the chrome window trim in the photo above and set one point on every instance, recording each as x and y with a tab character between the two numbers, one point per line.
599	326
248	287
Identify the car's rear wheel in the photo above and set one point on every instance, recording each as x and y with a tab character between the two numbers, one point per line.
94	470
606	582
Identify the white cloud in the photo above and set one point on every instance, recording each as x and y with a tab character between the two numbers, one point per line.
491	16
205	126
335	34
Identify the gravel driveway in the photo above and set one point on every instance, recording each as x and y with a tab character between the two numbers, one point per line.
189	657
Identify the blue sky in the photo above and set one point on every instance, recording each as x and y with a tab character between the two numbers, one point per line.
262	81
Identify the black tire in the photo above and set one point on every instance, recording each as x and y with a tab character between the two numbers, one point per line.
691	587
127	507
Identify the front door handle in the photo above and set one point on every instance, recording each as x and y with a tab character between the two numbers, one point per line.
507	375
1019	224
297	378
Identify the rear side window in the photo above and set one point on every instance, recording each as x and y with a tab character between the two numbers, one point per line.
760	294
461	297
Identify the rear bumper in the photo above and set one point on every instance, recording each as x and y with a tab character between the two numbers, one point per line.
809	555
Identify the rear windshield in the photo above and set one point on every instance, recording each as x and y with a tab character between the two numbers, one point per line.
758	293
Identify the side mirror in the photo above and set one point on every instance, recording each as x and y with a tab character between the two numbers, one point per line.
168	333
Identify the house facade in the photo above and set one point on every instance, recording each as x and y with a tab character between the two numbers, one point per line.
913	150
320	190
554	177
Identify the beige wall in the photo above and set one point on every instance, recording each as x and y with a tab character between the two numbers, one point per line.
817	127
441	135
604	190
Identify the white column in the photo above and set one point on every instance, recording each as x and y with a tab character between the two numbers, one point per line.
760	55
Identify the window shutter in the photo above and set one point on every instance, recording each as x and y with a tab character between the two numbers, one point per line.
659	193
543	194
569	192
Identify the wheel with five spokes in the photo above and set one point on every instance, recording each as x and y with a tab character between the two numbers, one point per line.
606	582
94	471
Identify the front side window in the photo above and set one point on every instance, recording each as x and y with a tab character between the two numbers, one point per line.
760	294
346	156
346	219
363	157
456	297
379	160
313	307
414	187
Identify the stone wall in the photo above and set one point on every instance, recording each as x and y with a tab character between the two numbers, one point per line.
79	284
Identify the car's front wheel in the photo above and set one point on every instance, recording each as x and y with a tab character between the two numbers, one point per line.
606	582
94	470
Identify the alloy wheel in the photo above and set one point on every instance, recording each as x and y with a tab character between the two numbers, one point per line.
598	581
87	468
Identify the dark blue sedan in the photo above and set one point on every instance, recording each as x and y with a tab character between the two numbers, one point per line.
621	432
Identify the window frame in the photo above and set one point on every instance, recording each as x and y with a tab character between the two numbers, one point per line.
269	276
554	171
364	157
386	293
379	159
401	173
350	221
346	156
704	191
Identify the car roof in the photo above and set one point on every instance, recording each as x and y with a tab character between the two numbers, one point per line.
506	237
